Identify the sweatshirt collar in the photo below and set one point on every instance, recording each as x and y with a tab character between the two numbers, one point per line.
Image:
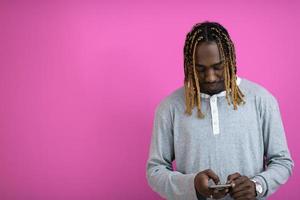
221	94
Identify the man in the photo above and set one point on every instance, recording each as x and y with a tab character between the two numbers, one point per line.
219	127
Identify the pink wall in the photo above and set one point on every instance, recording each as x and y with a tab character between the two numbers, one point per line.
79	83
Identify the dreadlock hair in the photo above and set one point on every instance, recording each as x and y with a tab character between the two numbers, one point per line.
209	32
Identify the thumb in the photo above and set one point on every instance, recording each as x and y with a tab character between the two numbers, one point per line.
211	174
232	177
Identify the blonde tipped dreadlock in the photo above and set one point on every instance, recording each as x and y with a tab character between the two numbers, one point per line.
209	32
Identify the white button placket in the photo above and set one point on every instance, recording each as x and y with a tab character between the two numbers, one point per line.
214	114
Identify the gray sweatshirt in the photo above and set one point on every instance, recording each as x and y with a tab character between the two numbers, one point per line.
250	140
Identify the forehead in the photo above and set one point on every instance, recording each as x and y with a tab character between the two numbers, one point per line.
207	52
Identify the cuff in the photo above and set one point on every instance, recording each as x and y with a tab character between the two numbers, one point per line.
260	179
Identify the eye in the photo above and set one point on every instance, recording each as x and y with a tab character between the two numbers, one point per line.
200	69
218	67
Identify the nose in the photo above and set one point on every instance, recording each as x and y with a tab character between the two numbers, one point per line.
210	76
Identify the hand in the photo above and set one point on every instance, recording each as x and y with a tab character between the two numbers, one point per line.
201	185
242	187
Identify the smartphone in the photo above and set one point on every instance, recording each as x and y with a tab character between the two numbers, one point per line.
220	186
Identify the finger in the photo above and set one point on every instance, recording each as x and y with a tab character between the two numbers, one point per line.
241	187
218	194
231	177
211	174
236	182
240	180
206	192
240	195
224	191
237	186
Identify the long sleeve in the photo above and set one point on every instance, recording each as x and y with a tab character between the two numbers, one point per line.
279	163
169	184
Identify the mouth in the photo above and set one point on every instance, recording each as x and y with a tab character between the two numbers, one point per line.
212	86
213	83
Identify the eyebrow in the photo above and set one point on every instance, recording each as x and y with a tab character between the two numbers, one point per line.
200	65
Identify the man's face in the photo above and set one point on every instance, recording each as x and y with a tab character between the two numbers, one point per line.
210	68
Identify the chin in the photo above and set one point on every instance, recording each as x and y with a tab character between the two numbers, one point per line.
212	91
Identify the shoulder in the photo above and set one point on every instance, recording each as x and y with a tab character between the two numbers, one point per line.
172	102
257	92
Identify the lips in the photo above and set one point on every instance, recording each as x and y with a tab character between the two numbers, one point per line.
212	88
212	84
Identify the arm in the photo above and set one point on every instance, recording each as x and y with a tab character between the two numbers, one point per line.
278	160
160	175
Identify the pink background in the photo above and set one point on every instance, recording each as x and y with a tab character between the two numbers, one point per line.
79	82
